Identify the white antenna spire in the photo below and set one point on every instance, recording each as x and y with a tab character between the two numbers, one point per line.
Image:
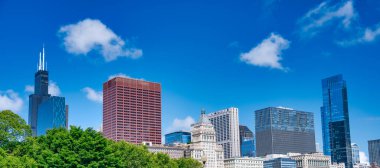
39	63
43	57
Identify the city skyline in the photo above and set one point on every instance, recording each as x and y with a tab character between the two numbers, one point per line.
201	57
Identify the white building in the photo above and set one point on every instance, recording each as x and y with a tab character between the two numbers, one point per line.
174	152
355	153
226	125
244	162
314	160
337	165
203	145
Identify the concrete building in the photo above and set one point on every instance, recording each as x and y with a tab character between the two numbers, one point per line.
174	152
282	130
178	137
45	111
132	110
203	146
374	152
355	153
313	160
244	162
226	125
335	120
337	165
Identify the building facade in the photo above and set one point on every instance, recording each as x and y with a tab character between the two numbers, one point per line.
132	110
374	152
313	160
244	162
355	153
281	162
282	130
45	111
203	145
247	142
178	137
226	125
174	152
335	120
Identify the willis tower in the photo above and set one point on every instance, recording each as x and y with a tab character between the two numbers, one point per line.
45	111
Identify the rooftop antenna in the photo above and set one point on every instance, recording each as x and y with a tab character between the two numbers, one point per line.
39	63
43	57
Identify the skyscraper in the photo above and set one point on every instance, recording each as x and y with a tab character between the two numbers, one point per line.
283	130
247	142
132	110
374	151
45	111
226	125
335	121
355	153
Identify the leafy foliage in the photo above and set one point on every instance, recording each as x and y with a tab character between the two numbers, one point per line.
84	148
12	128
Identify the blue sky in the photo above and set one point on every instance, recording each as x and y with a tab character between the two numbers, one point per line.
206	54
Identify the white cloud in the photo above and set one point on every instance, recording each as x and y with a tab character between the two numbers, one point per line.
29	88
371	34
92	34
325	13
363	157
9	100
267	53
118	75
91	94
181	124
53	89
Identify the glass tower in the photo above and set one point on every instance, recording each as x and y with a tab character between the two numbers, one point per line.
45	111
247	142
178	137
335	121
282	130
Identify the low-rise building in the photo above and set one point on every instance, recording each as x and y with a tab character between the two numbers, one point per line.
244	162
174	152
280	162
337	165
313	160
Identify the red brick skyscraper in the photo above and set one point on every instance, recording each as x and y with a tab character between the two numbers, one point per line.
132	110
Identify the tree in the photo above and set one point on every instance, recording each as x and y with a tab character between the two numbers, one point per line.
188	163
13	128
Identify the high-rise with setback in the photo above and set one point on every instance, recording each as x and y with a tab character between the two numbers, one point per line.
226	125
283	130
335	121
132	110
45	111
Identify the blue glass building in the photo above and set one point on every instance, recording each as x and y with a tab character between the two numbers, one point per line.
247	142
335	121
280	163
45	111
178	137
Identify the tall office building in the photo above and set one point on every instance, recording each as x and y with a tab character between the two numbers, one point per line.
335	121
226	124
132	110
355	153
45	111
374	151
247	142
283	130
178	137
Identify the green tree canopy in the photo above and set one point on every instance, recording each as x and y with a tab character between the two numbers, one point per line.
12	128
79	148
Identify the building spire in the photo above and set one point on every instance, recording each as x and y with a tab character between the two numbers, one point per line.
43	57
39	63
